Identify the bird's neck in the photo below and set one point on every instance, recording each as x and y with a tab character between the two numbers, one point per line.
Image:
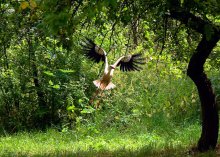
116	63
110	71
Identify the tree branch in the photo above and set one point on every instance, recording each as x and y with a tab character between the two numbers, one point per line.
203	50
194	22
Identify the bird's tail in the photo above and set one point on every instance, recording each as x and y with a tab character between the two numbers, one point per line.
110	86
103	86
97	83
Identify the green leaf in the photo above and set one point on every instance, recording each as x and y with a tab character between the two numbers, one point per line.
113	3
181	2
80	101
56	86
71	108
88	110
48	73
50	83
66	71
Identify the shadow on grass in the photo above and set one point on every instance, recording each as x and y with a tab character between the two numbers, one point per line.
143	152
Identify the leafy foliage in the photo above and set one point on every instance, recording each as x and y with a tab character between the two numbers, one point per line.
45	79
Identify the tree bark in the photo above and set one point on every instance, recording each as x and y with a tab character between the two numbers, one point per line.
43	118
210	120
135	31
209	111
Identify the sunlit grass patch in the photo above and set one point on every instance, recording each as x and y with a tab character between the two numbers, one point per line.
133	142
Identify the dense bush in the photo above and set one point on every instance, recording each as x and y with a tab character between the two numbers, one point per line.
160	91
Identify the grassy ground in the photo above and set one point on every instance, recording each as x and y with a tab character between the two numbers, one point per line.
139	141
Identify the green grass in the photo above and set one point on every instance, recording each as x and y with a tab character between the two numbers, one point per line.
137	141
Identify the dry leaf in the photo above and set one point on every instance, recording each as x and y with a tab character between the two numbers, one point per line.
33	4
24	5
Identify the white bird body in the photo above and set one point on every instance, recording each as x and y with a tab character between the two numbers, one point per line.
105	82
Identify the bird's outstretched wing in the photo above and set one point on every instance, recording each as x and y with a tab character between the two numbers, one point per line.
131	62
92	51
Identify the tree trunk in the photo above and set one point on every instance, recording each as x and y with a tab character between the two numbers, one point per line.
43	118
135	31
210	120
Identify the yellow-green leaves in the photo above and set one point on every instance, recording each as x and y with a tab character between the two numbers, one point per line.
24	5
31	4
54	86
48	73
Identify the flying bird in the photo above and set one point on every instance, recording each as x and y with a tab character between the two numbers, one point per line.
97	54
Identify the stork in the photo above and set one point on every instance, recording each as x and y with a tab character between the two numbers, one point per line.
127	63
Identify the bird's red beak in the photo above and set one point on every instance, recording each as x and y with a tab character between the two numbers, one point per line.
112	67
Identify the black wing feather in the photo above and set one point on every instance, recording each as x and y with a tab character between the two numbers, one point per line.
89	49
132	64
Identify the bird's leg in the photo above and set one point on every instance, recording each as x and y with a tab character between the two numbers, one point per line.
97	104
101	94
98	94
95	94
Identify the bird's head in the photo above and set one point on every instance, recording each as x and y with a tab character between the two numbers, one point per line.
112	66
